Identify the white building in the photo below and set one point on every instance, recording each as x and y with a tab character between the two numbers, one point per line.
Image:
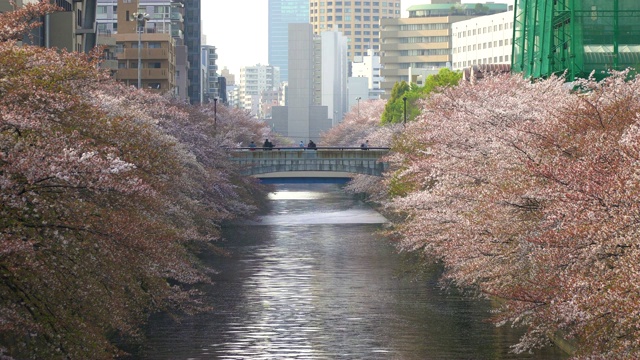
482	40
254	80
209	70
334	65
367	67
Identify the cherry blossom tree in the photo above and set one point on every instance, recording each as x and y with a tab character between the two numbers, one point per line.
23	19
358	126
524	190
105	194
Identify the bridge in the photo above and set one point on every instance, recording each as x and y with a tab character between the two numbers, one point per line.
325	164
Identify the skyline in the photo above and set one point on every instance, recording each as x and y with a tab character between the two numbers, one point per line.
224	23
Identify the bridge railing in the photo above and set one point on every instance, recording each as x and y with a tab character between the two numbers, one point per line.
279	148
260	160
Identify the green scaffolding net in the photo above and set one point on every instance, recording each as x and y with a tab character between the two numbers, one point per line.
575	36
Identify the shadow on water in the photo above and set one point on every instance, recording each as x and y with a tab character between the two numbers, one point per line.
311	280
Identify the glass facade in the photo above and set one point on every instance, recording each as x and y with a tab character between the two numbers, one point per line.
576	36
281	14
192	39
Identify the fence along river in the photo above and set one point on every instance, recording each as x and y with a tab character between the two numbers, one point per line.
312	280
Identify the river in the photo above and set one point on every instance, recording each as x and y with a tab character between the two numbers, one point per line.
313	280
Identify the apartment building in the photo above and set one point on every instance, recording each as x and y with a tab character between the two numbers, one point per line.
359	21
145	58
178	18
414	47
210	87
163	53
253	81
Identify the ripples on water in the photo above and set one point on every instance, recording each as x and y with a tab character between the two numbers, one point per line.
311	281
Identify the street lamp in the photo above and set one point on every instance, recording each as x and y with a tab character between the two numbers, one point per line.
404	99
358	100
141	20
215	112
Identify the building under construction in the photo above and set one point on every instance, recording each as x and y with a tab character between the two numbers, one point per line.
576	36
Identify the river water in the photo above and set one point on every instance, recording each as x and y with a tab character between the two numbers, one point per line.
312	280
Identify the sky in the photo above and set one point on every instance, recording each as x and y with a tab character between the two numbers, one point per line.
239	30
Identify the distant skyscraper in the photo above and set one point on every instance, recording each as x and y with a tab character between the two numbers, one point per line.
193	41
281	14
302	118
357	20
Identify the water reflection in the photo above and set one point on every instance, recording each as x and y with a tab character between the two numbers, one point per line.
313	282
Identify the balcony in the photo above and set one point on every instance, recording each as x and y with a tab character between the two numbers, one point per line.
176	17
111	64
146	74
177	33
146	54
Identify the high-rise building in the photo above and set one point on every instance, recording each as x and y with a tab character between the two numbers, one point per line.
357	20
193	41
334	74
413	48
209	73
281	14
303	118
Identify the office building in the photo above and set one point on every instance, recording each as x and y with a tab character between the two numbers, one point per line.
334	73
413	48
302	118
281	14
483	40
357	20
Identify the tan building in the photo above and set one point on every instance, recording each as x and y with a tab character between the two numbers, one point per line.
154	51
413	48
359	21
